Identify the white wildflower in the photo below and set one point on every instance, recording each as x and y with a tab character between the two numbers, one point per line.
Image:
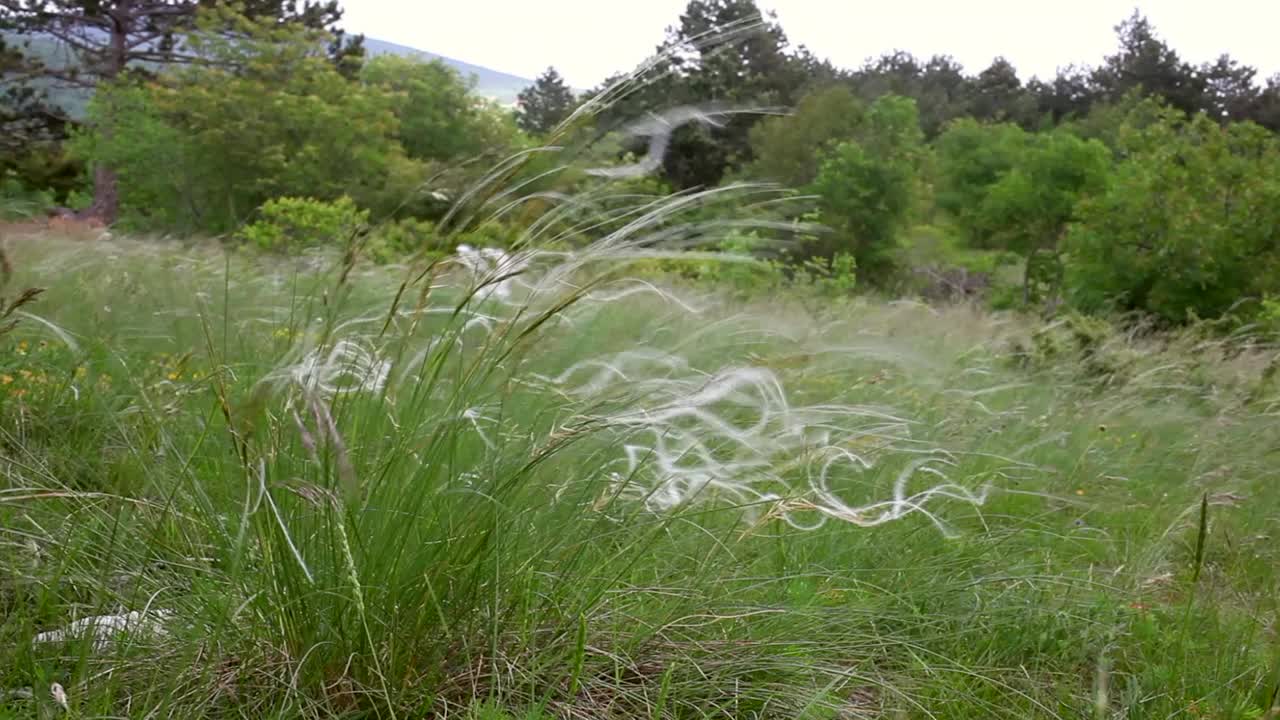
59	695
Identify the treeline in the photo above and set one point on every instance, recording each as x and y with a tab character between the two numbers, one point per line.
1147	183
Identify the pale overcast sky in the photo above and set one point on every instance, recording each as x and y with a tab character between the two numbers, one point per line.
588	40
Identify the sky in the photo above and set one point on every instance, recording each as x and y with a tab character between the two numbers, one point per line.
588	40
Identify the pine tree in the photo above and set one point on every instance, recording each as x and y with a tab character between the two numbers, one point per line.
106	39
544	104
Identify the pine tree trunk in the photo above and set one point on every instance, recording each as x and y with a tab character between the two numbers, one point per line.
106	192
106	196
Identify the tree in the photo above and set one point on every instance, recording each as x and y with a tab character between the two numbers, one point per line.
1070	94
1231	91
997	95
110	38
545	104
200	147
439	118
945	94
1110	121
1187	226
1266	109
970	158
1028	210
1007	189
1145	61
868	187
723	55
939	86
788	149
893	73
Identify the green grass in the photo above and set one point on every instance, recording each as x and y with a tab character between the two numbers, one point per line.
509	527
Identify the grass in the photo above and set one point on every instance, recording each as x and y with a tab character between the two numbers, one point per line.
337	491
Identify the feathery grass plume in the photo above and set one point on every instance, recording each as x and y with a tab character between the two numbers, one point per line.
659	127
59	696
104	629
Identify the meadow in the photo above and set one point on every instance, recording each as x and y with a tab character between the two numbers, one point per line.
539	486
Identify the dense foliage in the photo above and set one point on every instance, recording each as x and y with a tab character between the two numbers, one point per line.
1188	226
545	104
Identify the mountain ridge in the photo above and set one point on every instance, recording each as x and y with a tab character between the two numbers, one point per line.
493	84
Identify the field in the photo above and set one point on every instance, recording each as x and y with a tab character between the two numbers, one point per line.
316	489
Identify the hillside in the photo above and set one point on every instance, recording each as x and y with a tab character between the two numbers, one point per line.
497	86
492	84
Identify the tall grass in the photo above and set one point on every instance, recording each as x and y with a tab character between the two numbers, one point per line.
581	495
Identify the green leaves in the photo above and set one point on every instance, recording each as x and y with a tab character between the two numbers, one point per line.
869	187
438	118
204	146
1187	226
545	104
1010	190
788	148
292	223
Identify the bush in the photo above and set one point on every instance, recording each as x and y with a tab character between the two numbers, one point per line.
395	240
288	224
829	278
491	234
17	201
43	173
742	271
1187	228
868	189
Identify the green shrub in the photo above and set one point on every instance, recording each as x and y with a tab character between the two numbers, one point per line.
1186	229
396	240
1088	345
17	201
491	234
868	189
287	224
832	277
1269	315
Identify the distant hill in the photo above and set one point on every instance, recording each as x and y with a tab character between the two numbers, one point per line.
73	101
498	86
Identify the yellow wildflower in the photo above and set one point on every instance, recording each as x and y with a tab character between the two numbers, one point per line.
6	379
